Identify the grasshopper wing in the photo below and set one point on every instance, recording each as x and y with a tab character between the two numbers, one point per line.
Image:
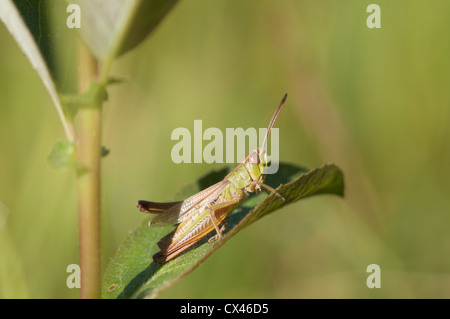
178	241
153	207
180	211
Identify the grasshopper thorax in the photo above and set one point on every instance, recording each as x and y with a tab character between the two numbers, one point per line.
254	164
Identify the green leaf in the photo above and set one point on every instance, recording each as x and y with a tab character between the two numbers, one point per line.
63	154
28	22
112	27
105	151
133	274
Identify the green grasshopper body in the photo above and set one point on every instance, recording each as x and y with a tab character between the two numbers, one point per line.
206	211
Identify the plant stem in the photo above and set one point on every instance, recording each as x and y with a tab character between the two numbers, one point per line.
89	146
88	139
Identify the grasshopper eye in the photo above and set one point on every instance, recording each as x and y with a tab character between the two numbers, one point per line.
253	158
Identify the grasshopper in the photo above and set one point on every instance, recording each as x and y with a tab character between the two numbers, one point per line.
206	211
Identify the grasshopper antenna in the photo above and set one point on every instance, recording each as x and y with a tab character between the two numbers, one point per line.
272	121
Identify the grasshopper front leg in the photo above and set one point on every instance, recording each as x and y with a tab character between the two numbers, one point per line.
272	190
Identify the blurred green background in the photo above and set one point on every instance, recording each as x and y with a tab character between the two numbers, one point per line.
374	101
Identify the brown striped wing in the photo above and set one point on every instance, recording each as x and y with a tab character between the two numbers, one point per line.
153	207
171	245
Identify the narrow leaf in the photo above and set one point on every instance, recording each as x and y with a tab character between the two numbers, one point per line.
112	27
133	274
25	26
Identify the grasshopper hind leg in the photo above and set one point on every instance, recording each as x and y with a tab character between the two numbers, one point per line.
172	245
218	235
213	219
219	212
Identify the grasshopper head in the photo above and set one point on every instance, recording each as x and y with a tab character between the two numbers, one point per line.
255	163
